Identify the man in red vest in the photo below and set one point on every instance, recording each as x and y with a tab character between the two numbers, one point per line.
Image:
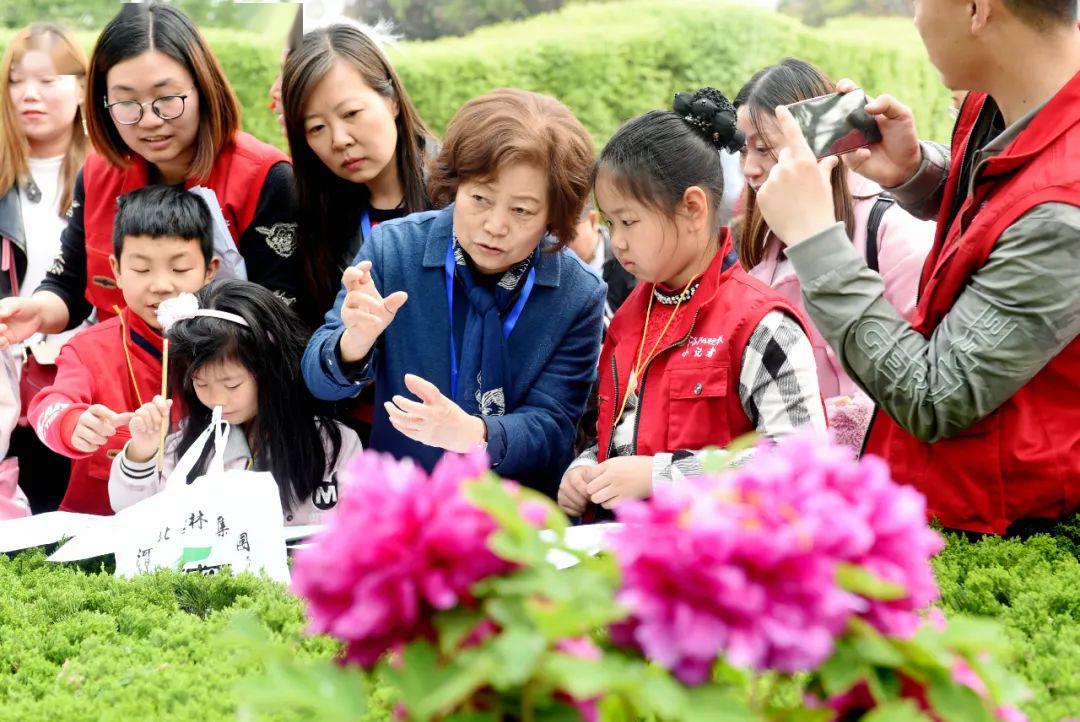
979	397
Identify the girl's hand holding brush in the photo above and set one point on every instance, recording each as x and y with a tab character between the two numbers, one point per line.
145	427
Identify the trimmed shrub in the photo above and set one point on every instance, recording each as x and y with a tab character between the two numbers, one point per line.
612	61
77	644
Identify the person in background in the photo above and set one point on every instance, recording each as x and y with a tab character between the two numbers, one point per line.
42	147
160	111
358	147
894	242
593	245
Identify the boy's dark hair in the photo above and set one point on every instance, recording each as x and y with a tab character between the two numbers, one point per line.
1044	14
287	438
158	211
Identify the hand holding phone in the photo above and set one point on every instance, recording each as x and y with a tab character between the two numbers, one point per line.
836	124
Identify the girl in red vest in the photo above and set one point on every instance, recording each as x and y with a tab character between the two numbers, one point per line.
358	145
160	110
700	353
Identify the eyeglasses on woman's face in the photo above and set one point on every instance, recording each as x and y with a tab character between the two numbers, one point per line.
130	112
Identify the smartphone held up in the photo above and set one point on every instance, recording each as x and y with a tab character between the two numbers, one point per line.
836	124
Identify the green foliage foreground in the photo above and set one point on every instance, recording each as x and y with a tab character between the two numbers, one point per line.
77	644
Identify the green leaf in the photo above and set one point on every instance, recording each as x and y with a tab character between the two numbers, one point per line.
654	690
516	652
581	678
969	634
305	690
954	701
455	625
843	669
473	717
713	704
430	689
877	650
897	711
1003	686
860	580
884	684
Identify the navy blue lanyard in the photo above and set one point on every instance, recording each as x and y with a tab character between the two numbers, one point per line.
365	226
508	323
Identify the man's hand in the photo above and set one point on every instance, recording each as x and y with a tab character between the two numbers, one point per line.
896	158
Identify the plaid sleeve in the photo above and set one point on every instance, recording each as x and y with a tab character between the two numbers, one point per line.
778	383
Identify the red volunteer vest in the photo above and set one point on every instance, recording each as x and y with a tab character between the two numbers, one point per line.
1023	460
689	395
237	179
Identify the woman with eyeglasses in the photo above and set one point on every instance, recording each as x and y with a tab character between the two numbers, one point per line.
160	111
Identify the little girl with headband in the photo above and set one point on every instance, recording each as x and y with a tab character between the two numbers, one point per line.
700	353
237	346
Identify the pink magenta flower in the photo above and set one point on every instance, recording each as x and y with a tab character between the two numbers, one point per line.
399	546
744	565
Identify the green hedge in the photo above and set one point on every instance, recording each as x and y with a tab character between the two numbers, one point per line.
76	644
612	61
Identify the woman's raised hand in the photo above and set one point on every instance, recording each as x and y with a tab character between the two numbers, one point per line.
365	313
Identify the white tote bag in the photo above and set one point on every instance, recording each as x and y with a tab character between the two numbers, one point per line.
223	518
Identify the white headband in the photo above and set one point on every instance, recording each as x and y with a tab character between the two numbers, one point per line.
185	306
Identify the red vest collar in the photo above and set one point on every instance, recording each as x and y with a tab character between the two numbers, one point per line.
1055	118
714	277
140	335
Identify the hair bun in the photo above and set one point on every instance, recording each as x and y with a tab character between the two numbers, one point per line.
711	114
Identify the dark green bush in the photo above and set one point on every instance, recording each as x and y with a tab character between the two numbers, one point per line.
84	646
77	644
612	61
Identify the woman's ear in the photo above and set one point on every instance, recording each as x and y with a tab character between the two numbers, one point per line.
696	207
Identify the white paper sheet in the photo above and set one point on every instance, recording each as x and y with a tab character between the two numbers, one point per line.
42	529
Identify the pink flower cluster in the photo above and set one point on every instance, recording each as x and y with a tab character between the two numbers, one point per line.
744	565
399	546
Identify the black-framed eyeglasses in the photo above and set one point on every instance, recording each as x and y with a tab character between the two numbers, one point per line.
130	112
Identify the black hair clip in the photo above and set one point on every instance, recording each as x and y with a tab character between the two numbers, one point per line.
710	113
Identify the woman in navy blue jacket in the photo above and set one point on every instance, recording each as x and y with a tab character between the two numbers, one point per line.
476	327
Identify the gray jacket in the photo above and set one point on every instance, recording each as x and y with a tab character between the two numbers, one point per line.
1016	314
